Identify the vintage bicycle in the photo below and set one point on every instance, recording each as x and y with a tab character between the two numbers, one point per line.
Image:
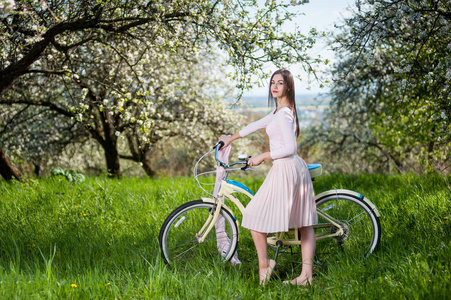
347	221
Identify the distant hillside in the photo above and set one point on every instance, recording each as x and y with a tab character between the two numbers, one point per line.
310	107
301	100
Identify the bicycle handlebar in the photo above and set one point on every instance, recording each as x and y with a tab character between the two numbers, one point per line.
218	147
220	144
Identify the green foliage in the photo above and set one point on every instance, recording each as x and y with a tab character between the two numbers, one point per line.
98	240
392	85
71	175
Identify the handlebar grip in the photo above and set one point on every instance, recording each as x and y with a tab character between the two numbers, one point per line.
219	145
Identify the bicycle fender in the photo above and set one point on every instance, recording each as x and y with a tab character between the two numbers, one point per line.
352	194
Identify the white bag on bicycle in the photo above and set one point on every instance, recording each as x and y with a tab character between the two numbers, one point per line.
222	240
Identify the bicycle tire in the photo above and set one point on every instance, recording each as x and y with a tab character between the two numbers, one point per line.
177	238
362	225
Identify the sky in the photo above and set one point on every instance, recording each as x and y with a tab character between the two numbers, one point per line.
321	14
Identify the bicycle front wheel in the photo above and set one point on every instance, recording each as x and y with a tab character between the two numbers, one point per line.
358	221
179	243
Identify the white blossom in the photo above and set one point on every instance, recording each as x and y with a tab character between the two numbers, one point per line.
7	5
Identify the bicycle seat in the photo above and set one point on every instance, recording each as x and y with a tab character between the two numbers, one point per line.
315	170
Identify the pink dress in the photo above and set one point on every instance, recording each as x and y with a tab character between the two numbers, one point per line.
285	199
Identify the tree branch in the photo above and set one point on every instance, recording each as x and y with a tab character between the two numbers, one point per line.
48	104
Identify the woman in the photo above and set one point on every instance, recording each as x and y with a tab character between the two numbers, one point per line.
285	199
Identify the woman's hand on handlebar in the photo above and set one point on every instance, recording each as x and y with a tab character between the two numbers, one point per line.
225	139
257	160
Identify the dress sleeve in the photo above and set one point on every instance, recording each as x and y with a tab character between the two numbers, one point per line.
257	125
285	121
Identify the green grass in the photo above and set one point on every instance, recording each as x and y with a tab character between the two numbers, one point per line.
102	236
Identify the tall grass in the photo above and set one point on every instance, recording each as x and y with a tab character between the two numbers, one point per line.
99	240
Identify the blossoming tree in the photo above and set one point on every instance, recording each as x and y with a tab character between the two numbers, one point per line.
131	67
392	86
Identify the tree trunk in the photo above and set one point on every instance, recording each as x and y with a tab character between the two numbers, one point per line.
140	154
37	170
7	168
103	131
147	167
109	144
112	161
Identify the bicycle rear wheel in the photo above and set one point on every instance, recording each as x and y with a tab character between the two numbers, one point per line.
360	222
179	244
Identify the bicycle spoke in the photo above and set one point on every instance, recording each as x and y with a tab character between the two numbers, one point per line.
359	216
186	251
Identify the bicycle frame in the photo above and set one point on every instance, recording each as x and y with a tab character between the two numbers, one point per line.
229	187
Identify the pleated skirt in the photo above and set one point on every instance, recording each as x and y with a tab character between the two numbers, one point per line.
285	199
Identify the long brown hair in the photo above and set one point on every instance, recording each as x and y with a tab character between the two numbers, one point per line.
288	92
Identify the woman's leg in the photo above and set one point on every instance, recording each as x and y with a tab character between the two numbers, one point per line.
265	265
308	247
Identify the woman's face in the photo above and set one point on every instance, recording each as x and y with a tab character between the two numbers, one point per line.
278	86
